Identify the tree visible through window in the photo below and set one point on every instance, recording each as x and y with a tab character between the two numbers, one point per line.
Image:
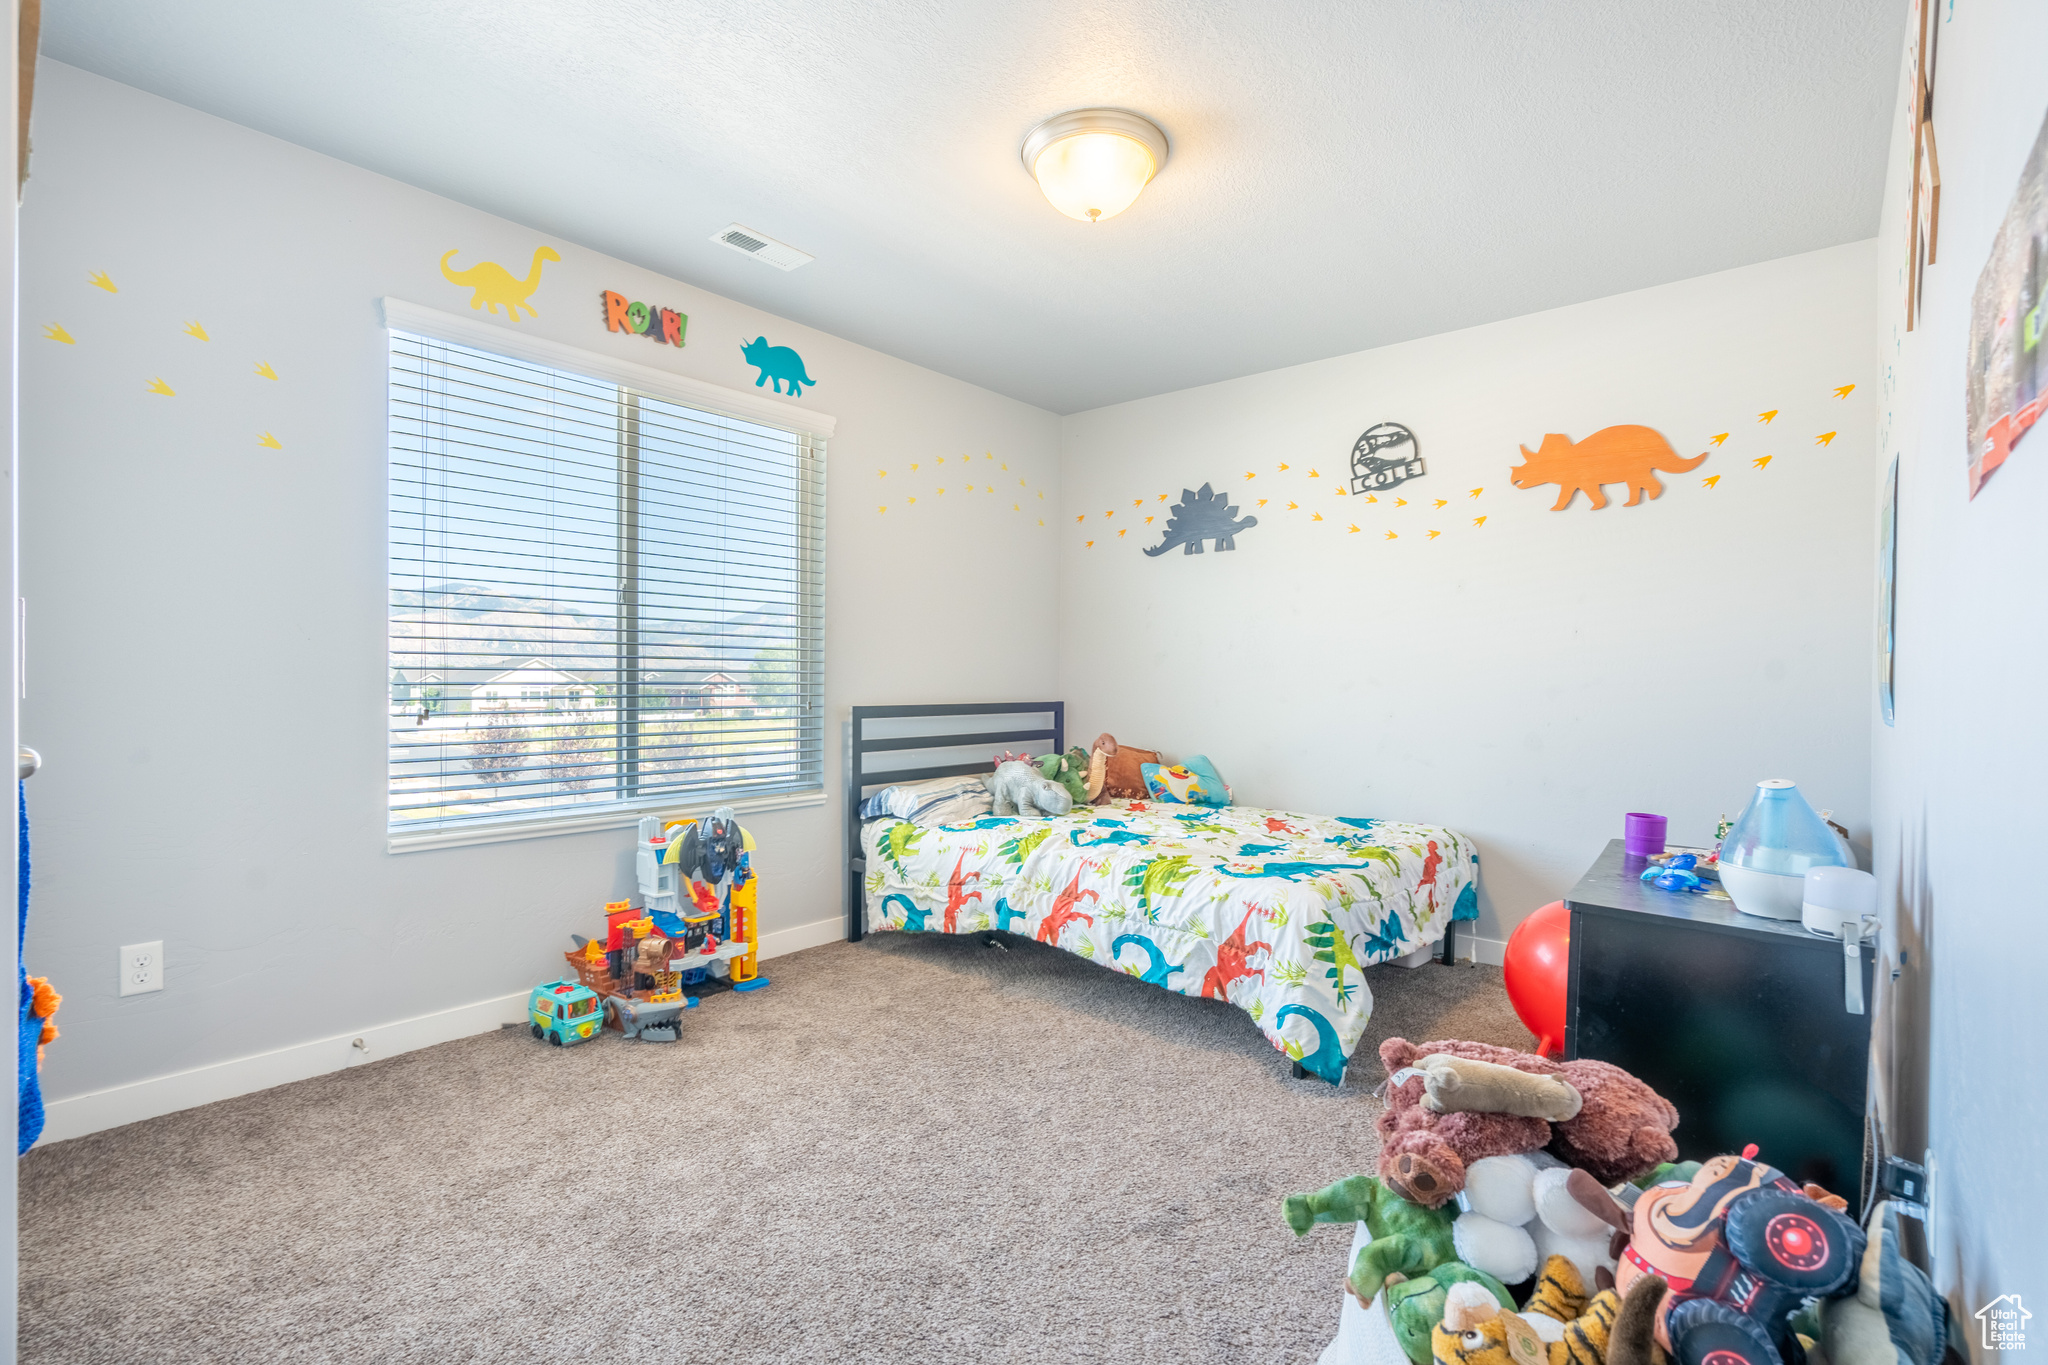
599	596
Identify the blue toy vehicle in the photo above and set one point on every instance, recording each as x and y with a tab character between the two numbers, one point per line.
563	1013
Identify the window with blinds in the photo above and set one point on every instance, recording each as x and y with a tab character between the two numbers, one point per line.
601	599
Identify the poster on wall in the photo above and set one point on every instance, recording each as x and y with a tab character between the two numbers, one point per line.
2008	364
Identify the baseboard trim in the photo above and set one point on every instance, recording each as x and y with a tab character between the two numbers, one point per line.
813	935
79	1115
1490	951
159	1095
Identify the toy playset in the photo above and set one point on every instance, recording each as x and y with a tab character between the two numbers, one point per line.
1568	1202
695	927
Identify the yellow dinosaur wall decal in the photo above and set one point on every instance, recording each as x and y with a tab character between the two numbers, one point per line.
494	284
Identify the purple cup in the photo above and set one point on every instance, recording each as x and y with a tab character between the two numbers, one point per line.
1643	835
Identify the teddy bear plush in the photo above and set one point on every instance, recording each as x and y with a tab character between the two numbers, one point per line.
1423	1154
1623	1129
1620	1128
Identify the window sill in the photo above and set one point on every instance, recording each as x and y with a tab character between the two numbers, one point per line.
612	817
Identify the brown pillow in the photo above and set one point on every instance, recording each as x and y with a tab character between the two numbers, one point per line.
1125	778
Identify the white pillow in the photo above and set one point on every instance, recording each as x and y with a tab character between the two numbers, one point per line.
934	801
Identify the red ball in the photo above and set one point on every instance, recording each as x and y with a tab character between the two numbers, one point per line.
1536	965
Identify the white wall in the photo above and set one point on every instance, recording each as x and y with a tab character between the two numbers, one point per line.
208	676
1957	782
1529	680
10	547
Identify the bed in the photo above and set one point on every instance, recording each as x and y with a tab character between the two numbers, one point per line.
1277	912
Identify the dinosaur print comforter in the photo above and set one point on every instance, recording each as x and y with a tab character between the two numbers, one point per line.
1276	912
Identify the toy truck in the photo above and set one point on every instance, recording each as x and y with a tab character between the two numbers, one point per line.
563	1013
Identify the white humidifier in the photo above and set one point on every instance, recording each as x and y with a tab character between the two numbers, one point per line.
1767	851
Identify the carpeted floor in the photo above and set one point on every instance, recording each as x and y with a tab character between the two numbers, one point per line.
916	1149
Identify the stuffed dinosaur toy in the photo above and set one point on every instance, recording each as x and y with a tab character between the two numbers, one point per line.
1020	790
1415	1307
1409	1243
1070	770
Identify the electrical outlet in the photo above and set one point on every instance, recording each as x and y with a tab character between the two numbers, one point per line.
142	968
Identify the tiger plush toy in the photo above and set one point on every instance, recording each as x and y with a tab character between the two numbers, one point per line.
1558	1325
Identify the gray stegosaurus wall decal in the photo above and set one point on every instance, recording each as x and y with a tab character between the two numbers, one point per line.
1200	516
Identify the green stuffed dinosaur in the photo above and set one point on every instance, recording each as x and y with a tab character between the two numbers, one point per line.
1416	1306
1070	770
1410	1256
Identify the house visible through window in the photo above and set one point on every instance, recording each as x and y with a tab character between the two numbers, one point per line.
600	597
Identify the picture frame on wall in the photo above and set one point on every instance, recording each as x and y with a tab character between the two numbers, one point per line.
1923	181
1887	590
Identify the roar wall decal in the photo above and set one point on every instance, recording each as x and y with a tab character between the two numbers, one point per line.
1626	454
778	363
664	325
1199	516
494	285
1384	456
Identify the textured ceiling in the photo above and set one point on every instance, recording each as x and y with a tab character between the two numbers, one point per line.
1343	175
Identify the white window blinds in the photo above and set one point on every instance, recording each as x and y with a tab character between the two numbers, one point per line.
600	598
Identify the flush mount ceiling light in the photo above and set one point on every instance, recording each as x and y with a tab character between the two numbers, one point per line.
1092	163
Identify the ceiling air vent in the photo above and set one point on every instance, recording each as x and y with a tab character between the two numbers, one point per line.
762	247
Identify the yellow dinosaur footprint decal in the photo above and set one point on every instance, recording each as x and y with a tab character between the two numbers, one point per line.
494	285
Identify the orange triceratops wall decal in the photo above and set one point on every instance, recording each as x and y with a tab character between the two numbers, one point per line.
1630	455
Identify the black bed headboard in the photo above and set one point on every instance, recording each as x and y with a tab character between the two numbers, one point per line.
911	736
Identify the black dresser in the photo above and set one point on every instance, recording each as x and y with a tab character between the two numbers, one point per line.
1741	1022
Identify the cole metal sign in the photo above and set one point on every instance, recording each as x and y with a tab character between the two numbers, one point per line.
1385	455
